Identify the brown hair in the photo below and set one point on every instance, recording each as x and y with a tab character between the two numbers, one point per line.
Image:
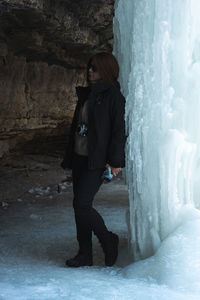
107	66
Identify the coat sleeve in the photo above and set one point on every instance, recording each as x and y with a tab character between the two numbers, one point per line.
116	150
67	159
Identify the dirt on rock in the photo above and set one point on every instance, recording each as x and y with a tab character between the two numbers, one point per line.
29	177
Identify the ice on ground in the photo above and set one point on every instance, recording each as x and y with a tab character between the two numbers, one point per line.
39	190
4	204
176	263
33	253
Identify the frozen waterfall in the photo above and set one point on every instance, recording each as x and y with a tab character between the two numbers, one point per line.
157	43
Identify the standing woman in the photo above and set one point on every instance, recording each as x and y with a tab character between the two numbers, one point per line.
97	138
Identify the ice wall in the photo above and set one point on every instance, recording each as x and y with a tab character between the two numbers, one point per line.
157	44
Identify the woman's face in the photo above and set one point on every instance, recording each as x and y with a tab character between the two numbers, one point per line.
93	74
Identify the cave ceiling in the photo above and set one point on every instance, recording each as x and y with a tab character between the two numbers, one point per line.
64	33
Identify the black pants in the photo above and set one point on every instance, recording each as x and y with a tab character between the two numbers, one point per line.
86	184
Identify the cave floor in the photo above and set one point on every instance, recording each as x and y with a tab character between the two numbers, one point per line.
38	234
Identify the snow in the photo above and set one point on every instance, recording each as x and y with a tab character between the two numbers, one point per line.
37	237
40	191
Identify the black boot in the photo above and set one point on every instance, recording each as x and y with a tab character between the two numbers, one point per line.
80	260
110	248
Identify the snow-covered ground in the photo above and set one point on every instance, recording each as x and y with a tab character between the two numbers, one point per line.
37	237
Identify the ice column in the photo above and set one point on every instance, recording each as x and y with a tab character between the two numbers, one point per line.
157	44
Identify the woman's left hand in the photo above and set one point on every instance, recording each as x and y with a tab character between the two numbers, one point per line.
115	171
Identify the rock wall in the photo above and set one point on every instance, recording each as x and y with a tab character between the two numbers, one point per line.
44	48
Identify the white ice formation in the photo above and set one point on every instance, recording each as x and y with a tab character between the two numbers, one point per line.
157	43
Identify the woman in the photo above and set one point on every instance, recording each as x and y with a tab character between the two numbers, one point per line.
97	138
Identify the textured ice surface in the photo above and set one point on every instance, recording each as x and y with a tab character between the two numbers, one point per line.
158	47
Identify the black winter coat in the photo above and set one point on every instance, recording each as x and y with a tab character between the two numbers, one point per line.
106	126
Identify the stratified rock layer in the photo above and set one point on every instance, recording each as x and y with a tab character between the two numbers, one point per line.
44	47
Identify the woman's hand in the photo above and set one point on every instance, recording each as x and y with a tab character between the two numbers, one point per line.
115	171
